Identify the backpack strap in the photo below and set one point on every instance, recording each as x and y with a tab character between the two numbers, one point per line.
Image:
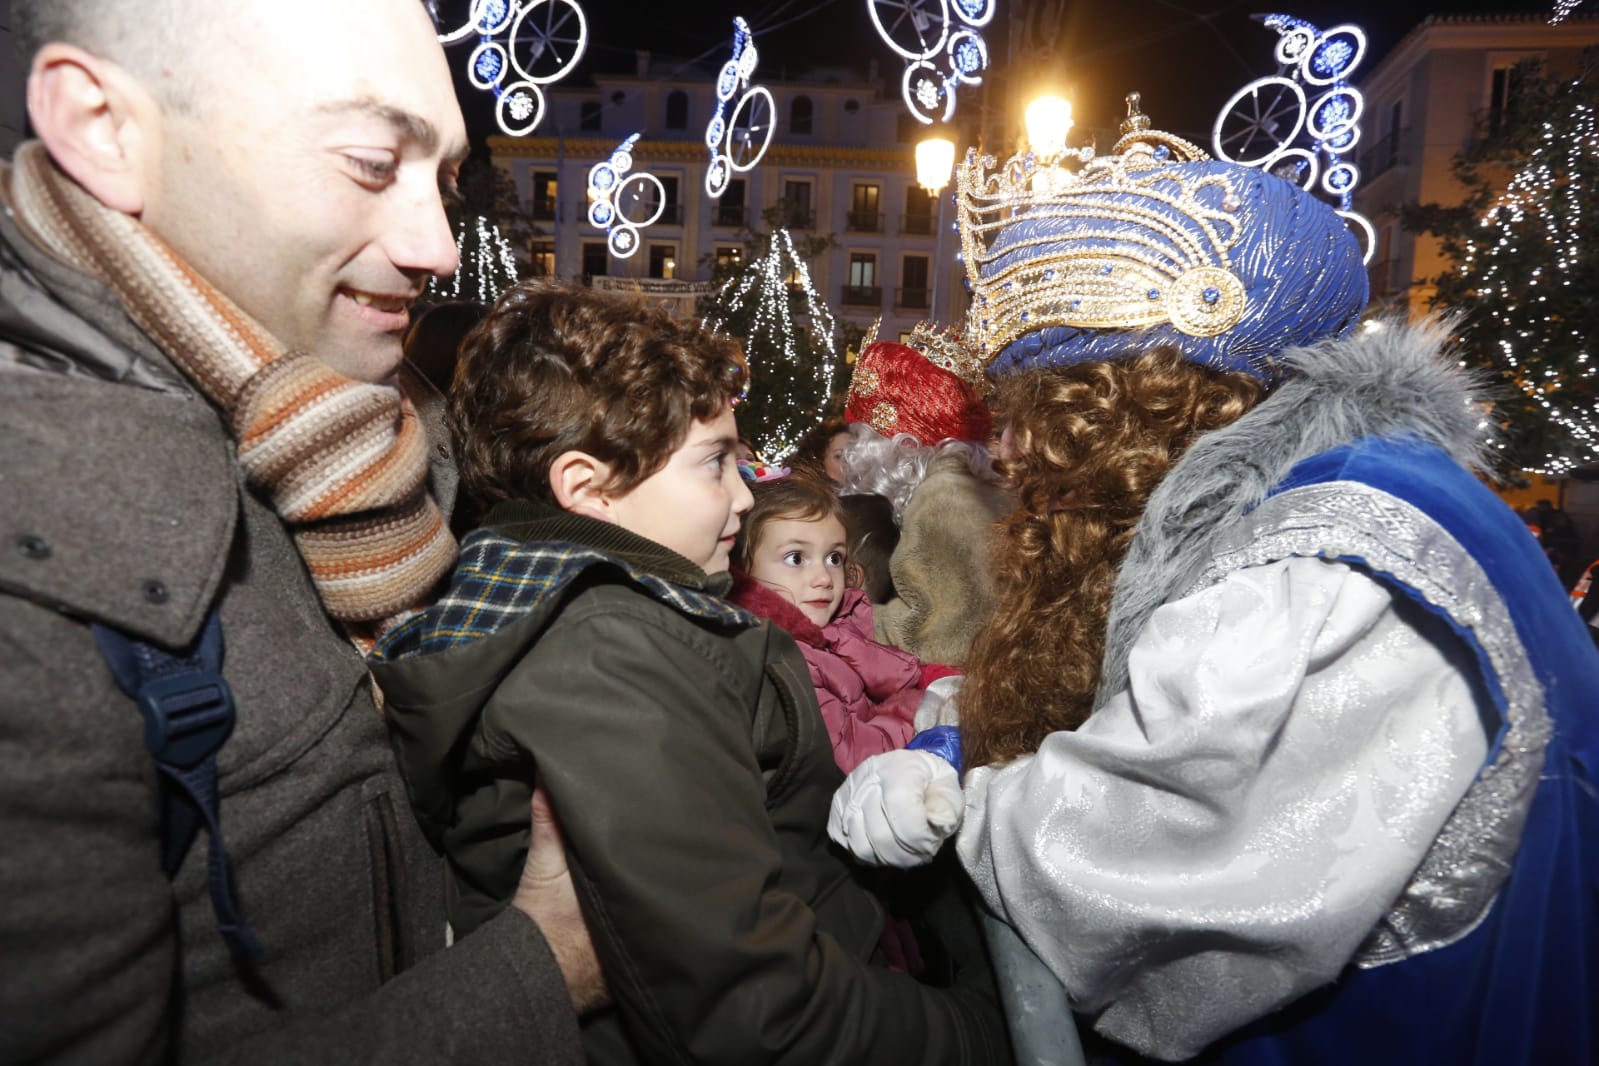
188	712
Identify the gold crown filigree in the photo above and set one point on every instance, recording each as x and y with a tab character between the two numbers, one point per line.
947	349
1120	241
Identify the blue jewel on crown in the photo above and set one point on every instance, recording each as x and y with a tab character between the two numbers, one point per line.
1153	294
1106	269
1210	295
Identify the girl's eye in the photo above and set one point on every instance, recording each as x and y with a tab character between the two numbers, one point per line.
715	462
835	558
793	558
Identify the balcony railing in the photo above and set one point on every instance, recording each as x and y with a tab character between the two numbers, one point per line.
912	298
671	215
544	211
730	215
864	222
1382	156
916	225
863	296
796	217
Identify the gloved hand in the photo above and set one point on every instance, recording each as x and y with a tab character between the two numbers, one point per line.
897	808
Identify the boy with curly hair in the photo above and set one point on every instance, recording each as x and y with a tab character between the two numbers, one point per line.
584	644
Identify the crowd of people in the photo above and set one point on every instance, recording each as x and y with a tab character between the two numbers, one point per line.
1140	673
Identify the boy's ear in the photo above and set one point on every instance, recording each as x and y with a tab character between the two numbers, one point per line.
577	480
97	122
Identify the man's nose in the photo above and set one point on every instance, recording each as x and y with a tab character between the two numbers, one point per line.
420	240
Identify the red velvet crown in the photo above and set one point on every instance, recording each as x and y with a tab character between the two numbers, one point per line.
897	390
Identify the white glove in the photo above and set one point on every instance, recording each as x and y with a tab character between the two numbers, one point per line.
896	808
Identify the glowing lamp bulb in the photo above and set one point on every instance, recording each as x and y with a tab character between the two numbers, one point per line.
935	159
1048	119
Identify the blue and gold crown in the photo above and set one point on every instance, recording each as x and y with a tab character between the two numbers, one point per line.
1227	264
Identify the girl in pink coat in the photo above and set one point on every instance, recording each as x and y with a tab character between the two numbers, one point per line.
790	562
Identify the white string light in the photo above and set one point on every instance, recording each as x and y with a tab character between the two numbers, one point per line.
1538	219
764	285
738	138
487	264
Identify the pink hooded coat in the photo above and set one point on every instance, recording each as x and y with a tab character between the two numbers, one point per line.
868	691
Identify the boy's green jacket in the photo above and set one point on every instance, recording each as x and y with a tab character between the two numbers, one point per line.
681	746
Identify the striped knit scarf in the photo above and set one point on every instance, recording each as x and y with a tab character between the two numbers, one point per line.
343	463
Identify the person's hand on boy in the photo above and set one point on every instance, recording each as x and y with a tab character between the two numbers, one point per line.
546	894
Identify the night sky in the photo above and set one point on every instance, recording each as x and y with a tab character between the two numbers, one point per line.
1186	56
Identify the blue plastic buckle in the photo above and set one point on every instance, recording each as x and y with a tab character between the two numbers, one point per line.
186	718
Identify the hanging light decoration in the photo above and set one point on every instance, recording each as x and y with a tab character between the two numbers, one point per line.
738	138
621	202
1261	125
521	45
941	55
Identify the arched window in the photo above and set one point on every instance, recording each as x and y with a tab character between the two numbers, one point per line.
677	110
799	115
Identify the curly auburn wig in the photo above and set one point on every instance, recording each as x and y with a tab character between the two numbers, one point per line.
558	367
798	496
1084	446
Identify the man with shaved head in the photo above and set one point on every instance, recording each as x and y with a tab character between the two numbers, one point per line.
215	491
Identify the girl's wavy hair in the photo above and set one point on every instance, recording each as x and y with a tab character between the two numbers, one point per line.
558	367
894	467
1087	444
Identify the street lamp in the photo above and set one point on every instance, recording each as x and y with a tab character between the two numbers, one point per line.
935	160
1048	119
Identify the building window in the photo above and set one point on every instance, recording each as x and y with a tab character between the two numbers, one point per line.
596	261
672	211
677	110
913	291
918	220
798	212
542	256
729	258
545	188
865	215
799	115
730	208
862	290
663	261
1505	82
588	115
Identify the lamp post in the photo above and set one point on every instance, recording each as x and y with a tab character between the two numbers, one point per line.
935	159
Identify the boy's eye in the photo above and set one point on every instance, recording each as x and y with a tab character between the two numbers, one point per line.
793	558
715	461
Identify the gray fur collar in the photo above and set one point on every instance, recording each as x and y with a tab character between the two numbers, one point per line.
1395	379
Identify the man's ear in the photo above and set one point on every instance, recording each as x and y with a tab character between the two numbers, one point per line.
577	480
96	121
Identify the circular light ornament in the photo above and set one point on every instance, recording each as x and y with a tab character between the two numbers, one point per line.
1292	46
1340	179
1343	141
639	189
1334	113
717	176
1298	165
623	241
487	65
519	109
1259	121
968	56
486	19
1363	233
553	34
916	29
750	128
1338	52
973	12
927	94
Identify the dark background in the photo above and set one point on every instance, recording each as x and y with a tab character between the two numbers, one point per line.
1186	56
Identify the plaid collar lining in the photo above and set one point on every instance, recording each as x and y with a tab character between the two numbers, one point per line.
499	578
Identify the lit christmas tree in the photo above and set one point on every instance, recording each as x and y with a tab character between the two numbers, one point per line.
790	339
1526	276
488	266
